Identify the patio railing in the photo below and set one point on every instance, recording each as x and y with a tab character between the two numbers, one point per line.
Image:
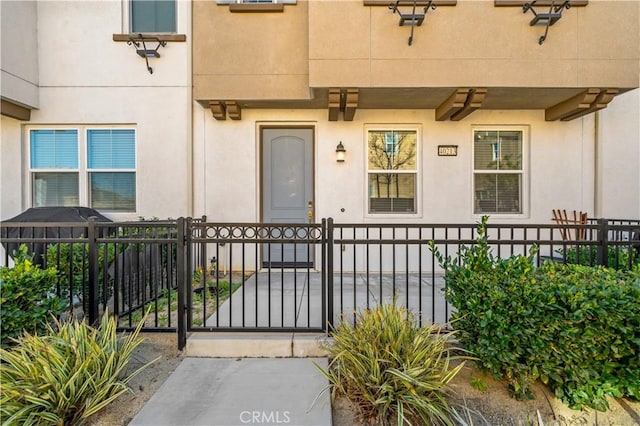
192	275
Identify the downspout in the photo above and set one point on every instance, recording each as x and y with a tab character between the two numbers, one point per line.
190	159
597	184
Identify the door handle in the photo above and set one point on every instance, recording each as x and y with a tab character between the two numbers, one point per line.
310	211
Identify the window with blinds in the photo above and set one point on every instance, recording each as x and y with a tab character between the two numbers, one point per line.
111	166
392	171
498	171
54	167
153	16
60	175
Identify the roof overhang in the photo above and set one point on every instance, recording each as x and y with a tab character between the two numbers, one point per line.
448	103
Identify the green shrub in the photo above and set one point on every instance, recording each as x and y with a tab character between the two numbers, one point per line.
574	327
389	368
593	322
66	375
27	297
72	264
623	258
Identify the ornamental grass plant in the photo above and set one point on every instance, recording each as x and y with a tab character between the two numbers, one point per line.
392	370
65	375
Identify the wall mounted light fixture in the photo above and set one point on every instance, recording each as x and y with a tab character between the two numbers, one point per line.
140	43
546	19
412	19
340	153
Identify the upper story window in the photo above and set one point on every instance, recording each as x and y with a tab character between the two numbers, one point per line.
96	168
498	171
392	169
153	16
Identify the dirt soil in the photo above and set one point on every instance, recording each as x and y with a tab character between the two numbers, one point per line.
493	406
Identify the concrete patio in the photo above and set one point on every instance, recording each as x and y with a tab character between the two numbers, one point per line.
293	299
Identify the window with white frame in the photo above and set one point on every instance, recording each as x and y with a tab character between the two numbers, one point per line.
87	166
54	168
153	16
498	170
392	170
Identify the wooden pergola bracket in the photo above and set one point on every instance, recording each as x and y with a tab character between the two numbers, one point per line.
460	104
351	104
334	104
233	110
584	103
452	105
342	100
218	110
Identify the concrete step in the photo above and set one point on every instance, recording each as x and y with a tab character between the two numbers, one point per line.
256	345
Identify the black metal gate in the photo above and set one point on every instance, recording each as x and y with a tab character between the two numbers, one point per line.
226	288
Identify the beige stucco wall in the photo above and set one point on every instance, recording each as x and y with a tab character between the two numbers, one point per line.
559	155
473	44
19	63
10	171
618	191
320	43
87	79
250	55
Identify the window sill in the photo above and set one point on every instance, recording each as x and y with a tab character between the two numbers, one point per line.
256	7
409	3
159	36
541	3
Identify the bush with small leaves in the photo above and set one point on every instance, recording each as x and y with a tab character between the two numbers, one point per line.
574	327
27	297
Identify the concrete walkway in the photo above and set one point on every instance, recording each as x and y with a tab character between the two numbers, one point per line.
294	299
241	391
227	379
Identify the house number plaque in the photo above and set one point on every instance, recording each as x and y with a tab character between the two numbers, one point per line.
447	150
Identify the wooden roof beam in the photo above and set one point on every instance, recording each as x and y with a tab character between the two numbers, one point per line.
474	102
218	110
334	104
233	110
572	106
601	102
452	104
351	104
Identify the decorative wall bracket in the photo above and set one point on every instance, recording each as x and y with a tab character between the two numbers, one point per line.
343	100
413	19
139	41
546	19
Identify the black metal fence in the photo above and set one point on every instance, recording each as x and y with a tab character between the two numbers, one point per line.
191	275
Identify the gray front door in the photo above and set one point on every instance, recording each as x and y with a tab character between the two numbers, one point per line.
287	190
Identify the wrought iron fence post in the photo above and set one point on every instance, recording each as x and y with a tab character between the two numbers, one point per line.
603	242
327	230
182	281
93	271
